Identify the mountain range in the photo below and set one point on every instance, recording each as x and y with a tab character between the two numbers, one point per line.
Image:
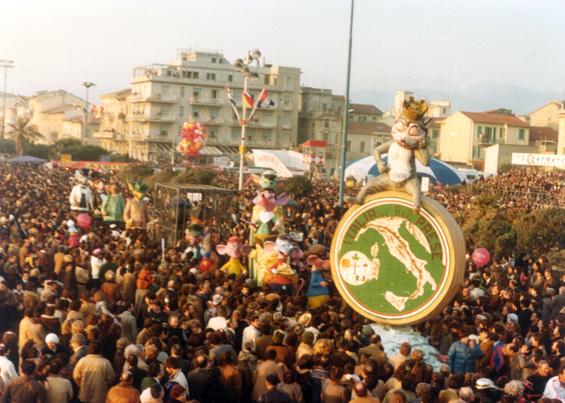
473	98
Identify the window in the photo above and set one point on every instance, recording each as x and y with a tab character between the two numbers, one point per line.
288	82
165	90
326	123
195	92
221	61
362	147
230	78
287	102
235	134
324	107
195	75
211	76
195	114
189	74
325	137
213	134
214	60
267	79
266	137
214	94
213	116
169	73
479	130
521	134
435	133
181	111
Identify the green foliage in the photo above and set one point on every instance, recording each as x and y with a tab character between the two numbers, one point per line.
77	150
23	132
119	158
541	230
196	176
7	146
298	186
88	153
38	150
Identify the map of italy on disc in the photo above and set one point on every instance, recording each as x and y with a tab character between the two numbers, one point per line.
393	265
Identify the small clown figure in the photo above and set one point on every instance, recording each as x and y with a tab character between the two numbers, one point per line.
194	237
136	212
318	292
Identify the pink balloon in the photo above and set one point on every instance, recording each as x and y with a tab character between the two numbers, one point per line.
84	221
480	257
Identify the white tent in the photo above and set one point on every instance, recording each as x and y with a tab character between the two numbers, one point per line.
285	163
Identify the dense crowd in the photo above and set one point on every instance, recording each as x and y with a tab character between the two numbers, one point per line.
114	319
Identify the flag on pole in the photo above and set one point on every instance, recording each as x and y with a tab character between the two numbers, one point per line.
232	102
247	100
264	99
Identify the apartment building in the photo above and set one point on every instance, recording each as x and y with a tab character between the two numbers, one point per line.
192	88
465	135
321	119
552	115
50	109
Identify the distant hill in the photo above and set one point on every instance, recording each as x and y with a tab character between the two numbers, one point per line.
478	97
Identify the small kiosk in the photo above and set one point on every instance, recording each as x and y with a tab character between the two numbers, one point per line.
173	203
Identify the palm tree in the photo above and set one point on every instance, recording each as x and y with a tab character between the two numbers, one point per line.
22	131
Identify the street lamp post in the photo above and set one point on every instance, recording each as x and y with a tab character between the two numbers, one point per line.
346	112
87	85
243	123
242	65
5	64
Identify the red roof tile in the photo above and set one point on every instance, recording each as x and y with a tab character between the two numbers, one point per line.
543	133
368	127
366	108
495	119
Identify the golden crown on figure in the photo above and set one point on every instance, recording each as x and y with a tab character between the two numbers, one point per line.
414	111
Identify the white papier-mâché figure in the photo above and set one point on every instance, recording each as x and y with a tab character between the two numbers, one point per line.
409	141
81	197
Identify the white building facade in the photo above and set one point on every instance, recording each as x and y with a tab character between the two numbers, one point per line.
164	96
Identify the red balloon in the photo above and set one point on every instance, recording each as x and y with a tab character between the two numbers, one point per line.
84	221
480	257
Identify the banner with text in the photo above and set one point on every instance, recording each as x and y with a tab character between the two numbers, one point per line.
540	160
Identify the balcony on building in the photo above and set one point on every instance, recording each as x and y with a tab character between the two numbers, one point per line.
198	100
171	99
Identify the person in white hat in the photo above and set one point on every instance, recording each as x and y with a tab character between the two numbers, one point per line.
53	348
7	368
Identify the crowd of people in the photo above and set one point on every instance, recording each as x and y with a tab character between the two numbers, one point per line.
117	319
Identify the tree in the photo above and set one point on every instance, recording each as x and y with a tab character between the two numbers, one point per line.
298	186
7	146
23	132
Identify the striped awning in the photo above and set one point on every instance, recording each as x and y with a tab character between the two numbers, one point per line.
218	150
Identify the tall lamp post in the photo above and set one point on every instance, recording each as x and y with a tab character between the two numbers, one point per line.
242	65
87	85
346	112
5	64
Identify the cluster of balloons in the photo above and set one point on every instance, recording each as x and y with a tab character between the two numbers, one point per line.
193	135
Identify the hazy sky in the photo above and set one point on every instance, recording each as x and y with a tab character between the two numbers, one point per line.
441	45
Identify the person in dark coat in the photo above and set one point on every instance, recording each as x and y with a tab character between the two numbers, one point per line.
273	395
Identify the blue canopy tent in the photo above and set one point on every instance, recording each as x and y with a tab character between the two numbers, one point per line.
437	171
28	159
